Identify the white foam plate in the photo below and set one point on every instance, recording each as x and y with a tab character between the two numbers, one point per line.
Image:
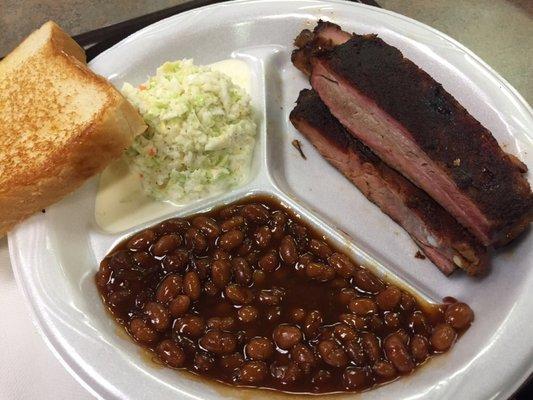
55	255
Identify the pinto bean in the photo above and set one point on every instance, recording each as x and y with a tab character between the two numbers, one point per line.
288	373
389	299
459	315
273	314
104	273
221	323
230	211
195	240
346	295
239	294
242	271
250	295
320	249
246	248
320	272
342	265
332	353
370	344
285	336
263	236
120	260
157	315
419	348
142	241
259	277
288	250
171	353
191	285
298	315
269	262
442	337
344	333
255	213
169	288
166	244
259	348
232	223
384	369
353	320
418	323
252	372
407	302
143	260
247	314
368	282
220	254
142	332
363	306
176	261
312	322
231	240
221	273
208	226
190	325
302	355
397	353
278	224
173	225
231	361
392	321
356	352
179	306
271	297
218	342
355	378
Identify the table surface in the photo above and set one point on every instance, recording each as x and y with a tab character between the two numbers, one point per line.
500	32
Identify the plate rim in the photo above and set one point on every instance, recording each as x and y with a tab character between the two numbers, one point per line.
54	343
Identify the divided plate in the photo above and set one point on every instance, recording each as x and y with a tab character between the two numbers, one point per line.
56	254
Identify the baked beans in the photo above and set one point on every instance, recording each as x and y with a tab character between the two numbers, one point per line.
250	295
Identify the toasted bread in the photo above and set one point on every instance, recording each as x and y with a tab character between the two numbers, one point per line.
60	123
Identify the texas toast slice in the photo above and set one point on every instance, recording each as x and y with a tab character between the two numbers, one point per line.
60	123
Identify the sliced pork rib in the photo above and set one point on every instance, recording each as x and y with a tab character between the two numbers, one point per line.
419	129
440	237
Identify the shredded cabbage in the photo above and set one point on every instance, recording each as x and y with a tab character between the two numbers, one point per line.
200	136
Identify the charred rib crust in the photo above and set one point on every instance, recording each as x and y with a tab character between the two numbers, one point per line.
309	107
440	126
325	36
313	111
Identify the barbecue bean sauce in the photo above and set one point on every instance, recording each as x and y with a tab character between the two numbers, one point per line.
250	295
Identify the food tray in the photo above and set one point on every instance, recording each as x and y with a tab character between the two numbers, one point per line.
55	254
